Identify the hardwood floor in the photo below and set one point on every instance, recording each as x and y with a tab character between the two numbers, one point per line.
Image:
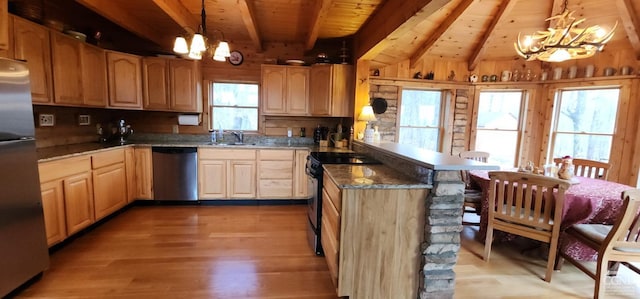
261	252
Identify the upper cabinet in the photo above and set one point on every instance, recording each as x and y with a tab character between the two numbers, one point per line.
285	90
125	80
4	26
171	85
331	90
79	72
31	43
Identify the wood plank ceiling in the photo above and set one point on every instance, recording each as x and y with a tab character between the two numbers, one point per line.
385	31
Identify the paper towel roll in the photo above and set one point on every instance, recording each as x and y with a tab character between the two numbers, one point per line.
188	120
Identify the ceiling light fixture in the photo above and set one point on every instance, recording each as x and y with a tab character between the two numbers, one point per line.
565	41
199	43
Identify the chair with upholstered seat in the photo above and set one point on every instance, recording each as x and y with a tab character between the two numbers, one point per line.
527	205
615	244
472	197
587	168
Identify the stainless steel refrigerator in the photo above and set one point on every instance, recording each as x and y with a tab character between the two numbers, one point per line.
23	244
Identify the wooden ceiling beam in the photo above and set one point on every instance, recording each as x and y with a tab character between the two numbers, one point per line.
320	12
630	23
393	19
440	30
503	12
249	18
126	20
179	14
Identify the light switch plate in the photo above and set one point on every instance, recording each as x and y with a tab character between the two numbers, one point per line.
84	119
46	120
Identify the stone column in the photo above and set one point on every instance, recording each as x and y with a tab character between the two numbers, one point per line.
443	224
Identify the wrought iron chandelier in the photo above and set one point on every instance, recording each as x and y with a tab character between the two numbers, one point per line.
199	43
565	41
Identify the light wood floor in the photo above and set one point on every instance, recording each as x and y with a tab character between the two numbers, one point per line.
259	252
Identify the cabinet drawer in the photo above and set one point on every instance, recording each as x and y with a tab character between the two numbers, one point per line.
275	188
330	247
63	168
331	214
107	158
276	170
286	155
333	191
226	154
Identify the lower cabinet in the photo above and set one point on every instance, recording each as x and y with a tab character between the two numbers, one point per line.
330	228
226	173
67	196
109	182
143	173
301	180
275	173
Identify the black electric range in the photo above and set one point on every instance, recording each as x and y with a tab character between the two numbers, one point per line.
314	171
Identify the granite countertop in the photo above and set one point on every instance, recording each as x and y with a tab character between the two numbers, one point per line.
66	151
349	176
427	158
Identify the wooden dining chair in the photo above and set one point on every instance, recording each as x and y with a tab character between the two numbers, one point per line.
472	196
615	244
527	205
587	168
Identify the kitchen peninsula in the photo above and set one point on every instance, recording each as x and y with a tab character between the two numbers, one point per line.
439	236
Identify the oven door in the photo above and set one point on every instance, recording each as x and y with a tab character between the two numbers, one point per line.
312	202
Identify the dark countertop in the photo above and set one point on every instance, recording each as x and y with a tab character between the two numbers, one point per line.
66	151
371	177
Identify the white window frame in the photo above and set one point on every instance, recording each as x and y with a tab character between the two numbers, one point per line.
212	106
441	122
524	100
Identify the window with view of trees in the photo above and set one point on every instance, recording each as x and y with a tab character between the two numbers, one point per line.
584	123
498	127
421	118
234	106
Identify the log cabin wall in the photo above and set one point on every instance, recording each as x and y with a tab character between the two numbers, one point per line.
66	129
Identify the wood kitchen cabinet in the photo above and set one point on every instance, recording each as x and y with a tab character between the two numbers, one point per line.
79	72
70	179
330	227
331	90
53	208
226	173
285	90
301	180
171	85
275	173
4	25
109	182
31	43
125	80
143	173
130	172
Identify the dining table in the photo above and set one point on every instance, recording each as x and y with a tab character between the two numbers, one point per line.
587	200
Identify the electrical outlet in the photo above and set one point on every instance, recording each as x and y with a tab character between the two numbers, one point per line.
175	129
46	120
84	119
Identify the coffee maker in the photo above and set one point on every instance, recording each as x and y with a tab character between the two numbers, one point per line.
320	133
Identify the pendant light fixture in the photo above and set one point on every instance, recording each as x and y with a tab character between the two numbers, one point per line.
565	41
199	43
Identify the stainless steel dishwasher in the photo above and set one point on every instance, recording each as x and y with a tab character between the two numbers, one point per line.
175	173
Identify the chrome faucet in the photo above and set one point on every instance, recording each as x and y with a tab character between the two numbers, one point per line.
239	137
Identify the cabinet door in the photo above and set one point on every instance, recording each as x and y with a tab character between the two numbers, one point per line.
109	189
78	202
67	69
125	81
144	173
301	181
31	43
319	95
342	92
155	89
53	208
183	82
130	168
242	179
273	89
4	25
297	94
212	179
94	76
